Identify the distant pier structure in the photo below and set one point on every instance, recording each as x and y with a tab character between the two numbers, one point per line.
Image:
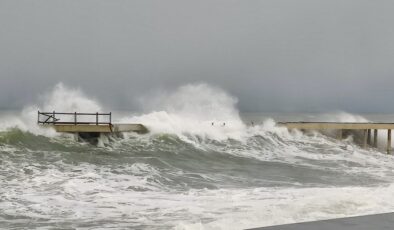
340	127
86	125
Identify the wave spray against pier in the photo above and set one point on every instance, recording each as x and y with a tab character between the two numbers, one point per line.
186	173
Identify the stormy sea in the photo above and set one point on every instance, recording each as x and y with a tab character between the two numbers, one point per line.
203	165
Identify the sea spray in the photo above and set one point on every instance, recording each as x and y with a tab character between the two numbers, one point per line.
194	109
186	173
60	99
191	110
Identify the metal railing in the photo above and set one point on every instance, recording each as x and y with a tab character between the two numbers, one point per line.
72	118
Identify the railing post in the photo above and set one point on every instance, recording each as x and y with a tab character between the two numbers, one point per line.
110	117
96	118
53	117
38	117
75	118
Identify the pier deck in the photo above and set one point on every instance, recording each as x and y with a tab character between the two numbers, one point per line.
110	128
366	127
337	125
94	123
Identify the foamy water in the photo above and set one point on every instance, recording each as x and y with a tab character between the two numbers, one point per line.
202	166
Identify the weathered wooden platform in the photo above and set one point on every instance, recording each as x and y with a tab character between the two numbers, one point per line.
366	127
370	222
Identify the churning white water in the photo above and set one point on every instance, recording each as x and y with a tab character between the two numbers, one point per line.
202	166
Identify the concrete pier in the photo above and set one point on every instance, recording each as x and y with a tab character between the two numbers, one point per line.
336	125
365	127
110	128
92	133
86	126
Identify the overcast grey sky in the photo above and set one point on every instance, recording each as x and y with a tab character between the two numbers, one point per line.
274	55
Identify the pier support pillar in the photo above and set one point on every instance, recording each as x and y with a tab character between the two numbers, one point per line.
365	138
369	137
76	136
340	134
375	138
388	141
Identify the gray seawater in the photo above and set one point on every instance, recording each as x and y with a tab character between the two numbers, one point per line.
167	181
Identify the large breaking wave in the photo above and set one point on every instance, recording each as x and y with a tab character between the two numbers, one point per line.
200	167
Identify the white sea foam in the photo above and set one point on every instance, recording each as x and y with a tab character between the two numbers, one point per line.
60	99
196	109
241	209
193	110
342	117
98	193
139	192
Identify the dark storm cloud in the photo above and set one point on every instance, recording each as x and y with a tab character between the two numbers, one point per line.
273	55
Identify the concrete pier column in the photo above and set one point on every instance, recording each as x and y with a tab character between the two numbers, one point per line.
369	137
365	138
76	136
340	134
375	138
388	141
